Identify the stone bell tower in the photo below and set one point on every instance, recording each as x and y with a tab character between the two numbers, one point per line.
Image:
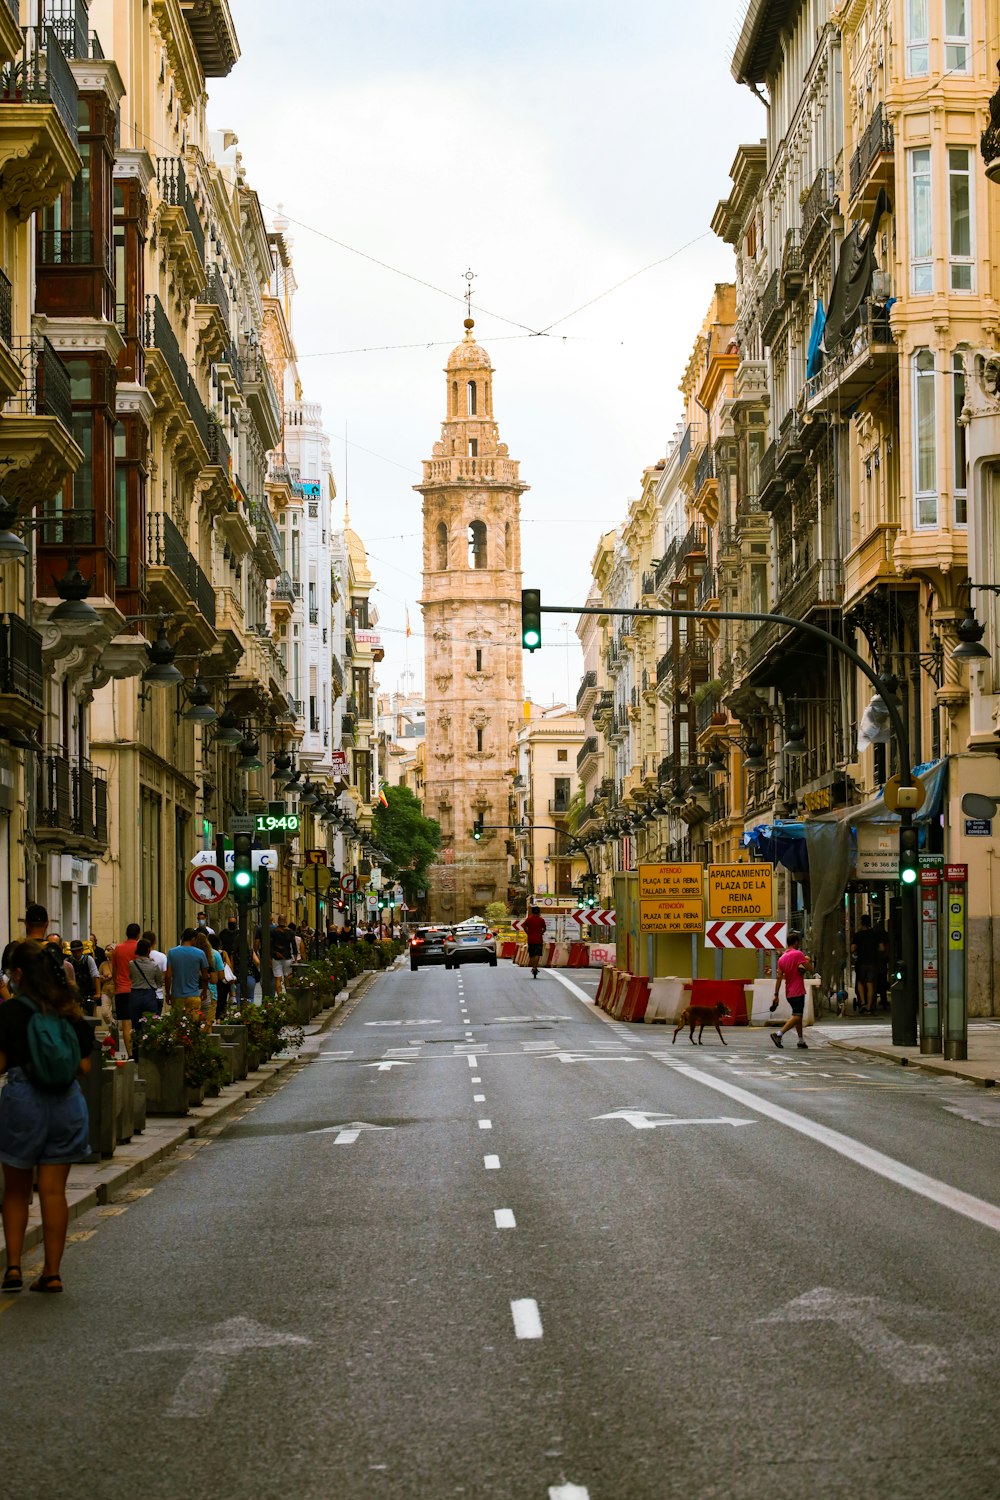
472	653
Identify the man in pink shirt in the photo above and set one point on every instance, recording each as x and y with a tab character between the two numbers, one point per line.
793	966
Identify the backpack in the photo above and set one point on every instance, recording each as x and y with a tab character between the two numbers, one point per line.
53	1049
84	978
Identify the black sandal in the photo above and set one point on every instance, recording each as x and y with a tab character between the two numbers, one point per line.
47	1284
12	1280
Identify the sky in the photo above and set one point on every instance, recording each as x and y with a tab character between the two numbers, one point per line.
555	147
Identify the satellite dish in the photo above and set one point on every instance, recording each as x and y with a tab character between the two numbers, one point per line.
975	805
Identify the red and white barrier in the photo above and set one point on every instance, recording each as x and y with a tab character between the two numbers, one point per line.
667	998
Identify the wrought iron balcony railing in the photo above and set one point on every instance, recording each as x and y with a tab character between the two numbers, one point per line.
877	139
6	309
44	389
771	307
166	548
41	75
816	211
172	185
705	470
215	292
21	660
589	747
588	681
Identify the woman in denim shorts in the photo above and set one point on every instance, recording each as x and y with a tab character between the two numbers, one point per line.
38	1128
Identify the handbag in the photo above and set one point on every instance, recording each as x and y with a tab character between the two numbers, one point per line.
227	973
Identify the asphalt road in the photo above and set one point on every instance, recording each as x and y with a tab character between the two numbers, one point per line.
491	1244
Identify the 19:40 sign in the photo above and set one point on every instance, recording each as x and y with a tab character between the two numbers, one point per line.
277	823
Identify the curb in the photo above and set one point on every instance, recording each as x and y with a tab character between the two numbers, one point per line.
926	1064
112	1173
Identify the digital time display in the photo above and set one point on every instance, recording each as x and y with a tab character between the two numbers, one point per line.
268	823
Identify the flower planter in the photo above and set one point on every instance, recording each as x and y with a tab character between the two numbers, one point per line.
140	1104
234	1036
125	1103
111	1095
195	1094
230	1058
254	1059
163	1075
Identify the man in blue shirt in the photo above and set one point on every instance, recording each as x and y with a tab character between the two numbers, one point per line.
186	979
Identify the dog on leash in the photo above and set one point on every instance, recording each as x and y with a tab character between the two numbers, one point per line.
702	1016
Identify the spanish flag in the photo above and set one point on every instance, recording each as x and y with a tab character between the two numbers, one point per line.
383	799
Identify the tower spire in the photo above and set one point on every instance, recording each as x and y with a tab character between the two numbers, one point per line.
470	322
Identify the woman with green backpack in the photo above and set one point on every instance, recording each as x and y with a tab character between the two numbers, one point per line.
45	1044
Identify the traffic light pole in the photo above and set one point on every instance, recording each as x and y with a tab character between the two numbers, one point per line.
905	1032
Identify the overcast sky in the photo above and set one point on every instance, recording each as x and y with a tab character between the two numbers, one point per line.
553	146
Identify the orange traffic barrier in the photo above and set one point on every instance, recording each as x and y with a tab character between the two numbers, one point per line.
578	955
732	992
605	985
521	957
508	949
621	990
636	998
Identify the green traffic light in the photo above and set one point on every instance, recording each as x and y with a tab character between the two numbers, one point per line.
531	619
243	879
908	875
532	639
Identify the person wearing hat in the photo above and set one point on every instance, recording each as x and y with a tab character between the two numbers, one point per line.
86	975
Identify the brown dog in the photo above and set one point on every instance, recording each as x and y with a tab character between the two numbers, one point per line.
702	1016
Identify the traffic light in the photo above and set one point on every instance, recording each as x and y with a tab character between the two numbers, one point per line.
899	971
909	860
477	829
242	864
591	901
531	619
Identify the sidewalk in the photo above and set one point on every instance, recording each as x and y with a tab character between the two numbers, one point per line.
92	1186
875	1039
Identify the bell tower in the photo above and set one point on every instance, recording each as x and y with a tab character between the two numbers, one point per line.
472	653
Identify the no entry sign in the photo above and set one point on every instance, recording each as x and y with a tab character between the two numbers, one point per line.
207	885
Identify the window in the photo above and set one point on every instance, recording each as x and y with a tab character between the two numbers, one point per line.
960	229
454	398
479	740
917	38
479	661
508	552
924	440
957	52
921	227
473	447
442	546
562	755
477	544
958	439
473	398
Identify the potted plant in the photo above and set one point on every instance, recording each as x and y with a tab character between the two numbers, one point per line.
162	1047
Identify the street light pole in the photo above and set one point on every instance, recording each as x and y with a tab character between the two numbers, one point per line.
906	1034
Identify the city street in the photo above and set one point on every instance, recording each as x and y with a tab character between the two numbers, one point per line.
490	1243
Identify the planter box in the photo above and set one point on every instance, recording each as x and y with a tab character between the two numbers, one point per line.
111	1097
234	1036
253	1059
163	1075
140	1104
125	1117
229	1062
195	1094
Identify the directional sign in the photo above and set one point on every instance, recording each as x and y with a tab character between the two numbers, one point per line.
770	936
349	884
207	884
743	891
647	1119
681	914
260	859
584	916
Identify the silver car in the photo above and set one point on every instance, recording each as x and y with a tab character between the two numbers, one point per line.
469	944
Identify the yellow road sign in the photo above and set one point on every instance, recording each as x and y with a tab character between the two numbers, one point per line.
317	878
672	914
745	892
671	880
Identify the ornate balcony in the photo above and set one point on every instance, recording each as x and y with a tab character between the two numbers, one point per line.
816	209
39	143
269	547
750	384
603	708
586	693
871	165
71	804
171	382
855	369
21	694
174	580
820	586
179	223
769	483
36	429
792	263
771	308
587	749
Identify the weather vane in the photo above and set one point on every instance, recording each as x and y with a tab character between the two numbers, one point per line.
470	277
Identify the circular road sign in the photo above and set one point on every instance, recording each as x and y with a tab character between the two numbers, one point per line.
207	885
349	884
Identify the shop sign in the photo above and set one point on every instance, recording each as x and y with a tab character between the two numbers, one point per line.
878	853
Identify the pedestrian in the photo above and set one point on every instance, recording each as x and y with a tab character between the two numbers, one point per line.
282	948
867	946
216	968
96	950
203	925
186	980
45	1044
160	959
534	930
793	966
36	925
121	956
146	976
85	974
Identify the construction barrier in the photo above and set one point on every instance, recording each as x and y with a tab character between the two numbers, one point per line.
617	1005
667	998
732	992
579	958
635	999
559	958
605	987
521	957
762	994
508	948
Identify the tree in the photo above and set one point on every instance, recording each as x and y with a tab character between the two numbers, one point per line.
497	913
408	838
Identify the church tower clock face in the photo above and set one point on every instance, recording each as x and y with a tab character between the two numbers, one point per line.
471	607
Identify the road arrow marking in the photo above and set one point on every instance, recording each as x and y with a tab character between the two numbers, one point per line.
387	1067
861	1320
204	1381
424	1021
346	1135
647	1119
578	1057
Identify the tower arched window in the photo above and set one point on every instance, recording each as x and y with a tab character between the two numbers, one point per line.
473	395
454	398
442	546
477	544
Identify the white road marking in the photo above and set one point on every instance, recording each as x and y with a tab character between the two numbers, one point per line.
469	1036
942	1193
911	1364
491	1163
347	1134
504	1218
387	1067
527	1318
204	1380
651	1119
479	1098
473	1063
585	1057
568	1492
424	1021
477	1080
486	1124
346	1137
328	1052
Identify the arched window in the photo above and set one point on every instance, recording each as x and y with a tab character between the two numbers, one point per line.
508	555
454	398
925	486
473	398
477	544
442	546
479	740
